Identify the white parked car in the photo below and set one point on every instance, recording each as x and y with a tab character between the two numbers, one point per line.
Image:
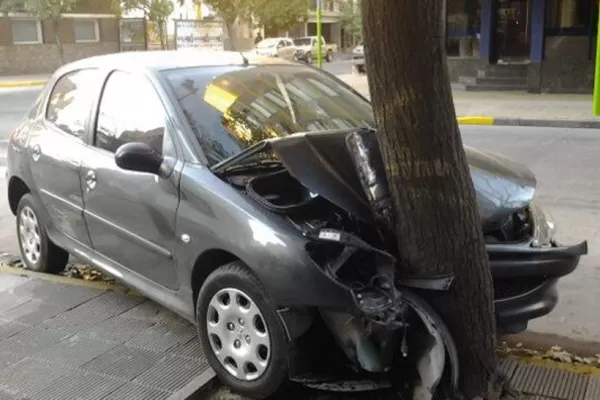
276	47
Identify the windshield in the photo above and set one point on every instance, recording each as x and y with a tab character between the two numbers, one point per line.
302	41
231	108
267	43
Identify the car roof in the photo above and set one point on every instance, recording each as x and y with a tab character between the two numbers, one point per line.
170	59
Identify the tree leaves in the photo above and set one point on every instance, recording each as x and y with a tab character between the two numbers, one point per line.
154	10
278	15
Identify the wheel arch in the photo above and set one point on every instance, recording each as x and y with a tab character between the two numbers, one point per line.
17	188
205	264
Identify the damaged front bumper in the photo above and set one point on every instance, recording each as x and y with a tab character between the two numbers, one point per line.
525	279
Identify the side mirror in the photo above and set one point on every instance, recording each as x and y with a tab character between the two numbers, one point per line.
138	157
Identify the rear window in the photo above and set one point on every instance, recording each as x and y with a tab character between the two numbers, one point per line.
231	108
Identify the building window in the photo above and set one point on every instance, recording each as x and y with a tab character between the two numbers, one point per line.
568	17
86	30
26	31
463	19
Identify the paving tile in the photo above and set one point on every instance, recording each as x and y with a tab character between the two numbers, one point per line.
8	301
593	389
96	310
117	329
180	372
131	391
163	336
507	367
9	281
7	359
56	292
80	385
29	376
551	383
149	310
32	340
35	311
192	349
6	396
124	362
10	328
75	351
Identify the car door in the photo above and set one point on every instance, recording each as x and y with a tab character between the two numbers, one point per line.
56	146
131	215
289	49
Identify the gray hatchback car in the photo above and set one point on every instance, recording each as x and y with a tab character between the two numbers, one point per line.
224	189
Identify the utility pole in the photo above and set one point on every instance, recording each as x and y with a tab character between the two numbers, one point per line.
596	104
319	33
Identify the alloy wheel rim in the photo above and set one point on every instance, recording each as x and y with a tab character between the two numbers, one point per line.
238	334
29	232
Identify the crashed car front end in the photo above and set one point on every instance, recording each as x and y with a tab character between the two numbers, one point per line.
332	189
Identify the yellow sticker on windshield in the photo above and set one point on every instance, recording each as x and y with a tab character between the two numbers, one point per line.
219	98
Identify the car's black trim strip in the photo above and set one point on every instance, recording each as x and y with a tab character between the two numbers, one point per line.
142	241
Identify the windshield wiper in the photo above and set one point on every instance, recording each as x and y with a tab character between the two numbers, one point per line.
253	165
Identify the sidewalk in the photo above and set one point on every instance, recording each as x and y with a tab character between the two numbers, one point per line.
512	108
62	338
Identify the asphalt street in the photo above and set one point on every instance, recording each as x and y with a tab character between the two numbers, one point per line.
565	161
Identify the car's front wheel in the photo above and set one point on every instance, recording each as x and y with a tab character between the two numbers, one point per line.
38	253
241	333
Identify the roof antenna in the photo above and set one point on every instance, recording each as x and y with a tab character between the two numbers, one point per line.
246	62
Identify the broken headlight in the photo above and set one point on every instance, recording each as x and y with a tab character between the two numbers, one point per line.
543	226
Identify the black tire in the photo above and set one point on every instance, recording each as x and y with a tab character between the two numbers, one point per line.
237	276
52	258
308	58
329	56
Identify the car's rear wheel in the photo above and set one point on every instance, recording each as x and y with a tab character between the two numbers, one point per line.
38	253
329	56
241	333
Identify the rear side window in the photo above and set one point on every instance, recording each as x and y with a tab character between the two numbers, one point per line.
71	100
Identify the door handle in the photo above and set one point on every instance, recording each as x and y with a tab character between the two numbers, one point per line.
90	179
36	152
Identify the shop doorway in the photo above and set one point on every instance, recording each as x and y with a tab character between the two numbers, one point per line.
513	31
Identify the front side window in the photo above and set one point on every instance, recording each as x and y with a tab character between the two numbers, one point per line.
130	111
232	108
71	101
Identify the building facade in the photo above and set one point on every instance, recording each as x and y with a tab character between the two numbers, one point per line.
29	46
537	45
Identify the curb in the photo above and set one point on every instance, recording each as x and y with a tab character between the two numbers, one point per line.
546	123
65	280
579	369
18	84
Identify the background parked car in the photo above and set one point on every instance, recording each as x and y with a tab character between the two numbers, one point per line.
358	59
276	47
306	49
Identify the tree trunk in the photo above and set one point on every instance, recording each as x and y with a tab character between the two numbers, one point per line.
161	33
59	46
231	34
438	225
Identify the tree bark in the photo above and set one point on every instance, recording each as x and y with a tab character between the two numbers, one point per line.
59	46
437	220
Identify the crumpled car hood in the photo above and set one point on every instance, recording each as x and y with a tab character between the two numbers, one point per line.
321	162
